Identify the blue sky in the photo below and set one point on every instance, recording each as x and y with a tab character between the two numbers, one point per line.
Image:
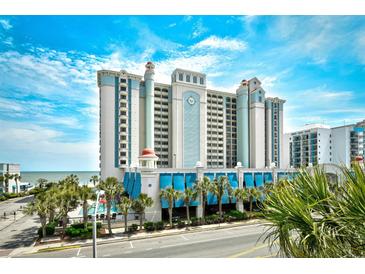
48	64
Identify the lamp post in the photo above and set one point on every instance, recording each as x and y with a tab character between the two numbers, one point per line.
95	255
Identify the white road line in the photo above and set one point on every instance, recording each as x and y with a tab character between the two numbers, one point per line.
107	255
182	236
78	252
148	249
130	242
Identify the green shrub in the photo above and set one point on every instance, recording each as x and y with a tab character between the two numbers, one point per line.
73	232
50	229
196	221
133	228
3	198
159	225
212	219
149	226
81	225
237	215
181	224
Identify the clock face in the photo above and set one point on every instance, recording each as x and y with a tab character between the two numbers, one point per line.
191	100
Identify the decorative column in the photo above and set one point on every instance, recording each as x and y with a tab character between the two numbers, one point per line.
149	104
243	124
239	168
199	176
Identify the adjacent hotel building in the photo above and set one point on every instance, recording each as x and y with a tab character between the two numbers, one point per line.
319	144
184	122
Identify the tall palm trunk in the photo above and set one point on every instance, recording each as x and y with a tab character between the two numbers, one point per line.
64	225
203	208
17	186
108	208
126	223
43	220
220	207
51	215
251	202
141	220
170	216
188	214
84	211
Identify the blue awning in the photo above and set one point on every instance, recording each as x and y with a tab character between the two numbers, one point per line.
248	180
179	185
232	177
165	182
268	177
137	186
126	181
212	199
190	179
282	176
131	183
259	180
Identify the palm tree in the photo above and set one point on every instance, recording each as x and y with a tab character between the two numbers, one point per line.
140	204
219	187
68	198
39	206
7	177
309	218
51	200
2	180
17	178
253	193
111	188
85	194
170	195
202	187
189	196
94	179
124	205
41	183
241	194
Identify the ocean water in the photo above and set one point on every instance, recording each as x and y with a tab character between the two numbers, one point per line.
55	176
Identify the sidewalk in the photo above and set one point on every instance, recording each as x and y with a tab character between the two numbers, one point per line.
119	236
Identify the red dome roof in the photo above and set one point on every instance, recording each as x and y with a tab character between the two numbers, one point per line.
148	152
359	158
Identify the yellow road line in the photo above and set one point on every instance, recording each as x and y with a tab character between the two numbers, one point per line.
49	249
248	251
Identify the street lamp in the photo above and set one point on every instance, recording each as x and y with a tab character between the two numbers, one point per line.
98	193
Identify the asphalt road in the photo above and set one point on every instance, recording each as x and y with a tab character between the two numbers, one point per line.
19	232
238	242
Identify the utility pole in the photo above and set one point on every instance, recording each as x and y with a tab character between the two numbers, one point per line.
95	254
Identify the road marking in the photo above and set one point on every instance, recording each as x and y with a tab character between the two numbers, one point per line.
182	236
131	244
148	249
107	255
78	252
248	251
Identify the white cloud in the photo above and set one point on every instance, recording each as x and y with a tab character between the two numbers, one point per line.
5	24
214	42
198	29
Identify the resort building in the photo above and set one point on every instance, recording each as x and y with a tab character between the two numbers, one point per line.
158	135
319	144
184	122
9	185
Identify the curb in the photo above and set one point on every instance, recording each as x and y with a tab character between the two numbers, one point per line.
111	241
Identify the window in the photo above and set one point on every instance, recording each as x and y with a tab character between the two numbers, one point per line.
187	78
181	77
260	98
195	79
201	80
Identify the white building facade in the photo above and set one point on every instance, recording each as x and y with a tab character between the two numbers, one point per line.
318	144
11	184
184	122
